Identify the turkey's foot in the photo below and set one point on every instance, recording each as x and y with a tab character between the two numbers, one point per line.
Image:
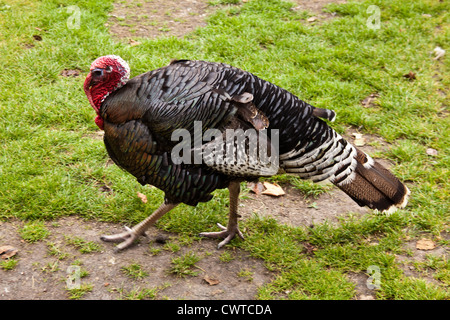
227	234
125	238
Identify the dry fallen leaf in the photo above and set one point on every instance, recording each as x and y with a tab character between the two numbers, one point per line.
425	244
369	101
311	19
309	248
211	281
410	76
255	187
432	152
105	188
273	189
143	197
134	43
7	252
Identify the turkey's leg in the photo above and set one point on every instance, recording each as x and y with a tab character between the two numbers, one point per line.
132	234
232	229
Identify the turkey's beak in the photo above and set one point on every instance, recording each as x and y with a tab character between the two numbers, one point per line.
87	90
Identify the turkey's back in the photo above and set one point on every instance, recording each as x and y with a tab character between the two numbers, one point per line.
306	145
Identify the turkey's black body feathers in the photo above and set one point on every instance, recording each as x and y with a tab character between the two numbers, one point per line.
141	117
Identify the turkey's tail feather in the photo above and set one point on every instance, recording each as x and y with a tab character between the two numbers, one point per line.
374	186
326	155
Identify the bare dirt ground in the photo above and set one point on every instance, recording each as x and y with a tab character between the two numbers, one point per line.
133	18
41	275
150	19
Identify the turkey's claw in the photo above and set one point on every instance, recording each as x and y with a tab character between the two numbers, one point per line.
126	238
227	234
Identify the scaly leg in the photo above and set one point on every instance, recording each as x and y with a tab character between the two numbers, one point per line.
232	229
132	234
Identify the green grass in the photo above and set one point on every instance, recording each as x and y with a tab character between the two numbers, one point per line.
56	251
307	187
182	266
51	166
142	294
83	245
246	274
78	293
8	264
226	256
134	271
34	231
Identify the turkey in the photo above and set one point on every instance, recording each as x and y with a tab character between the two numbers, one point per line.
192	127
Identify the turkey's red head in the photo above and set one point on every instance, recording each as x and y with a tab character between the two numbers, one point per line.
107	74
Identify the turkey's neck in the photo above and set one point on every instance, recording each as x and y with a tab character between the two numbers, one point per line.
98	94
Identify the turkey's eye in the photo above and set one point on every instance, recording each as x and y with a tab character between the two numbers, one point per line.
97	72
